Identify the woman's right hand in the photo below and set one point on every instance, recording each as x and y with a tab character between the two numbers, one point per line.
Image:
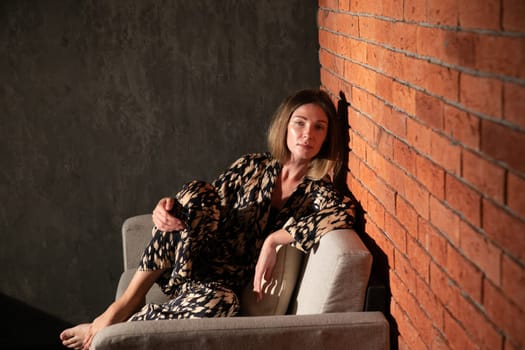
163	220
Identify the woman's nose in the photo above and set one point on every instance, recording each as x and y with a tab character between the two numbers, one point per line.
307	134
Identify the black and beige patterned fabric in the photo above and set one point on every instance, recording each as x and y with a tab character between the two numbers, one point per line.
208	263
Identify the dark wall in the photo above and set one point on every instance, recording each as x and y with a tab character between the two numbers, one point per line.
106	106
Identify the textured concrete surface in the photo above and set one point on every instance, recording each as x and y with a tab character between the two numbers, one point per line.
105	106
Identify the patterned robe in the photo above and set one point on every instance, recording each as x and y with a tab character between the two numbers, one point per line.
208	263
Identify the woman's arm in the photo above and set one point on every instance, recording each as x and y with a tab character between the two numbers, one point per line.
268	258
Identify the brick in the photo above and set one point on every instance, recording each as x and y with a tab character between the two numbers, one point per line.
358	145
492	55
395	177
396	233
514	103
367	29
375	211
456	335
445	220
404	156
513	11
441	285
461	126
431	42
392	9
358	51
418	136
407	216
500	142
417	196
419	319
429	110
384	87
328	40
405	271
383	32
460	48
487	177
384	143
328	4
433	241
419	259
513	281
408	335
463	199
436	79
385	195
348	24
330	81
326	20
476	14
444	12
470	318
481	94
375	56
396	65
395	122
505	229
431	176
382	241
466	275
474	320
445	153
328	61
415	11
404	98
365	6
481	252
507	316
515	191
403	36
360	76
509	345
429	301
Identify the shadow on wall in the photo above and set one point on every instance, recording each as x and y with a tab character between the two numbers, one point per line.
378	293
28	326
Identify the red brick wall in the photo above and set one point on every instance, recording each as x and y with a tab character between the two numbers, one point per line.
437	116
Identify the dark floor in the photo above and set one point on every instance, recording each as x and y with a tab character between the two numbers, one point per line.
26	328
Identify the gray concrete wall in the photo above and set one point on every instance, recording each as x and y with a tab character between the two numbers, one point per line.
105	106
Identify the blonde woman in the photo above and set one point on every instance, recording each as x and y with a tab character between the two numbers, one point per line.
211	240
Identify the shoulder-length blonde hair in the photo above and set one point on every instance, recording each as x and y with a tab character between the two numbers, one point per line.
323	163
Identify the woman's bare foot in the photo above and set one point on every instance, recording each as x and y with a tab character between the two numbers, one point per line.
74	337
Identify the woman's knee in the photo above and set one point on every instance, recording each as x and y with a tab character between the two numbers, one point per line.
200	204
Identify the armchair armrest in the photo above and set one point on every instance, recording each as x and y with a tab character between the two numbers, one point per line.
352	330
136	234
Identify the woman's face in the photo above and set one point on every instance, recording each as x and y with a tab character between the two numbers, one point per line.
307	130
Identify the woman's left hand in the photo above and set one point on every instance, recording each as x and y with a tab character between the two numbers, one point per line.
264	267
268	258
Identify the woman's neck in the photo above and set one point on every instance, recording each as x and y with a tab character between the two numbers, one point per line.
294	171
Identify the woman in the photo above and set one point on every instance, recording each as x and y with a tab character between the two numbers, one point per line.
224	235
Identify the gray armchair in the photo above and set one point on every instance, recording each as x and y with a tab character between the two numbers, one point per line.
316	302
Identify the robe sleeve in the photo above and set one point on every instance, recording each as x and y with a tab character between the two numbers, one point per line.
230	181
331	212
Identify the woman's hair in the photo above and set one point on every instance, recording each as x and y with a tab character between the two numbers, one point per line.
324	162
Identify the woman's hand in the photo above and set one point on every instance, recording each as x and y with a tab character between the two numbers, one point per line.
264	267
163	220
268	258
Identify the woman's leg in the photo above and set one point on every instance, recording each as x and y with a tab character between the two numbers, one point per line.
194	300
120	310
166	251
